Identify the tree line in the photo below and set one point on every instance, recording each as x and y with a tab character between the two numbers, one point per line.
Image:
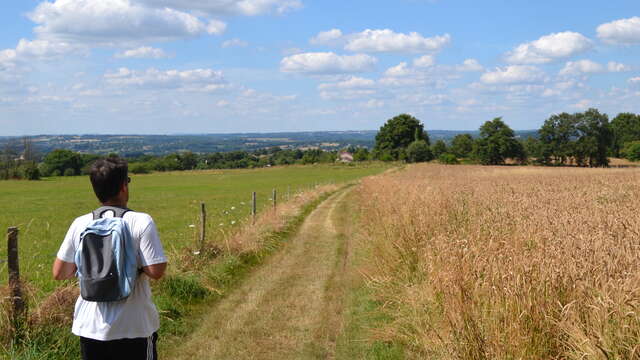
581	139
64	162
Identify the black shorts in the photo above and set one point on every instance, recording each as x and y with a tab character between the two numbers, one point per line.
121	349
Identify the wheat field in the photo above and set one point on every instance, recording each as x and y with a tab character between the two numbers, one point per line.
476	262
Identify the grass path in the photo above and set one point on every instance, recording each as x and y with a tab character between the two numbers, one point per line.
290	308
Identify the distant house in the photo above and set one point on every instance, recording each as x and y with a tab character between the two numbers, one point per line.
345	157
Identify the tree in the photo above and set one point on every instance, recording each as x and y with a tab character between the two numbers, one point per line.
60	161
419	151
594	139
631	151
556	139
395	136
462	145
497	142
439	148
626	128
362	154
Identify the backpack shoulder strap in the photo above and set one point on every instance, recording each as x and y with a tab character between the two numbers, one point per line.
117	211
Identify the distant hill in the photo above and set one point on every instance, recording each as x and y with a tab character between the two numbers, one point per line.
134	145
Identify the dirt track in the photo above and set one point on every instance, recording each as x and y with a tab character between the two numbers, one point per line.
291	307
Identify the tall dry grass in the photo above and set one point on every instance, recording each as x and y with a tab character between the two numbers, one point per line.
507	262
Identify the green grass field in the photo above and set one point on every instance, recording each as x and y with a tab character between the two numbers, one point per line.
44	210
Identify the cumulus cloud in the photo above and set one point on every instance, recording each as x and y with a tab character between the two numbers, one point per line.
234	43
327	63
116	21
198	80
229	7
613	66
326	37
623	31
470	65
581	67
391	42
512	75
549	48
590	67
399	70
424	61
635	80
143	52
352	82
27	50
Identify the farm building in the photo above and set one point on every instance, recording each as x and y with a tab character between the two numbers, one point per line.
345	157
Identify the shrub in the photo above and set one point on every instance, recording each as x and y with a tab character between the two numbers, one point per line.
69	172
419	151
140	168
31	172
448	159
631	151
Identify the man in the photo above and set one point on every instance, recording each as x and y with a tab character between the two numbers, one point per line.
125	329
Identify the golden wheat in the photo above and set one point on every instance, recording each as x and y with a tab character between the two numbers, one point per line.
507	262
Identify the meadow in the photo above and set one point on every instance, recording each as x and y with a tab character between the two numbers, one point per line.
43	210
507	262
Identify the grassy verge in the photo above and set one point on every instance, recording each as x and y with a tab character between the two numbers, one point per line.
362	313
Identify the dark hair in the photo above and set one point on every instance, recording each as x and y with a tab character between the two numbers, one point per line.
107	176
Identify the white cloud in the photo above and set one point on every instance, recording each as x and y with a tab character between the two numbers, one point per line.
373	104
581	67
424	61
352	82
512	75
116	21
635	80
229	7
399	70
234	43
613	66
327	63
198	80
28	50
348	94
326	37
623	31
143	52
470	65
549	48
389	41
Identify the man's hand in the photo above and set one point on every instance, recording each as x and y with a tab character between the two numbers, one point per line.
63	270
155	271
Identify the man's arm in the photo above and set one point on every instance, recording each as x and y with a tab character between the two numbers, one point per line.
155	271
63	270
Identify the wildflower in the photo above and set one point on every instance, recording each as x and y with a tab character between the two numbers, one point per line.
192	226
233	222
196	253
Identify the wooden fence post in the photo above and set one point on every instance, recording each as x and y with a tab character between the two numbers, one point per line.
274	196
253	207
17	302
203	225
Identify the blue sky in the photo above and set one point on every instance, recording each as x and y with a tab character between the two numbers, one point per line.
217	66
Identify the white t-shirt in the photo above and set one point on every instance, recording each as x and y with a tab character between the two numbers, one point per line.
133	317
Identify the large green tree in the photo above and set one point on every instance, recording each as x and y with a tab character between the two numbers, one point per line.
395	136
462	145
497	143
584	138
626	128
63	161
556	139
594	139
